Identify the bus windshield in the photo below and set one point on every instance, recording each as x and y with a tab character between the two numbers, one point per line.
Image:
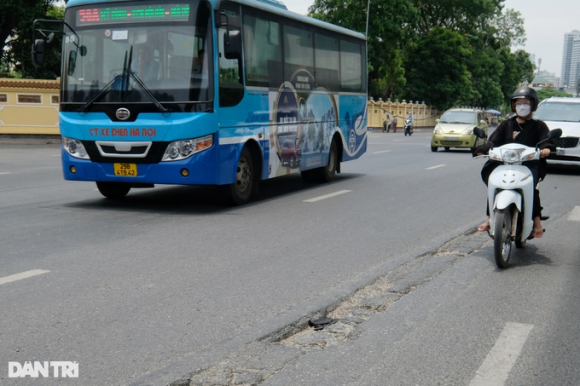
154	51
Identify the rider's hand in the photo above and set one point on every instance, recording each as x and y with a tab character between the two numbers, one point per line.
544	153
479	150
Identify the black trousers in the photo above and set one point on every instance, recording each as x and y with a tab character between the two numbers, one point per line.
534	168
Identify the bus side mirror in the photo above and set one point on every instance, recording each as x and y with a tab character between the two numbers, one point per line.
221	19
233	44
38	49
47	37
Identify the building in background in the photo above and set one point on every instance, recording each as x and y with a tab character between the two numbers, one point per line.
571	60
545	79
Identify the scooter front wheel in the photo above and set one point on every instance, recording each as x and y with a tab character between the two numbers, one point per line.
502	243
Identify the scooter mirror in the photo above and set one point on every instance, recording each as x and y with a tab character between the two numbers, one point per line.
556	133
479	133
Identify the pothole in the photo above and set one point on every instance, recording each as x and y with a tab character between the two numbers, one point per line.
256	362
381	294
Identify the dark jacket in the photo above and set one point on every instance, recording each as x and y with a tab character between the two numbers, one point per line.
530	133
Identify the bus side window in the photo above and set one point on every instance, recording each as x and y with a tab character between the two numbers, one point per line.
231	86
327	58
263	52
351	65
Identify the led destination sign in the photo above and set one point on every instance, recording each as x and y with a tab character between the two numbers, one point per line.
132	14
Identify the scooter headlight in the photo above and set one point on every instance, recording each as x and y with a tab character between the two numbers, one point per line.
511	155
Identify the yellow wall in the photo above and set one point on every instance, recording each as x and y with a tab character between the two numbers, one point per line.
29	106
423	115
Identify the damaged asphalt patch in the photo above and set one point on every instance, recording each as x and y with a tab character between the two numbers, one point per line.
256	362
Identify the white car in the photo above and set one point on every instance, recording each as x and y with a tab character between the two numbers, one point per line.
563	113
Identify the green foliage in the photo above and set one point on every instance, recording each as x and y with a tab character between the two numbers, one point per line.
440	75
518	69
16	18
389	33
445	52
546	93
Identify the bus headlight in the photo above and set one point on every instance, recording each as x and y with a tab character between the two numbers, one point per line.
179	150
75	148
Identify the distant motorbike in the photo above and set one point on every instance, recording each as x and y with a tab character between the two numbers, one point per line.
408	127
510	194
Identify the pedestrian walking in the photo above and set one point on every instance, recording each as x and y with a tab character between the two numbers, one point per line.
387	123
394	123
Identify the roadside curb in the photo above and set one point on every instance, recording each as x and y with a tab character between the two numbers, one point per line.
17	139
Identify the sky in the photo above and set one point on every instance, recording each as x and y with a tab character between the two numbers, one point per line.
545	21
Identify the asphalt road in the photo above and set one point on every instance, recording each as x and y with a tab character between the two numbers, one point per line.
170	281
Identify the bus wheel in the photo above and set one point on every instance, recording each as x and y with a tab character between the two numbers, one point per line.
241	189
113	190
328	172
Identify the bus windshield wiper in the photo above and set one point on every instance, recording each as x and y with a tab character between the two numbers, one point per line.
107	87
101	94
148	92
123	79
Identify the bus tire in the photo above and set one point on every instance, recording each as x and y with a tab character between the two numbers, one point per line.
328	173
113	190
241	190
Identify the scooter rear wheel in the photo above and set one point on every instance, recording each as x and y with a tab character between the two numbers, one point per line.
502	243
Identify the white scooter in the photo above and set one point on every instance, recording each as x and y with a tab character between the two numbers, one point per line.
510	195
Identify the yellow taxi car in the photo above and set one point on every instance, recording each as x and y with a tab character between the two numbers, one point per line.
455	129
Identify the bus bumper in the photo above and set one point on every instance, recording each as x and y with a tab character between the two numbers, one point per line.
199	169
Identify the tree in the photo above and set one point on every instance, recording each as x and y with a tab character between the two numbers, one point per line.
486	69
509	28
437	70
389	30
457	15
493	70
16	18
546	93
518	69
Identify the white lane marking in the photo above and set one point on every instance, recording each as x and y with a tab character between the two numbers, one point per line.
497	365
327	196
22	275
4	172
436	167
382	151
575	214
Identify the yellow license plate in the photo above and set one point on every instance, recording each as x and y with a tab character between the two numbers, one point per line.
125	169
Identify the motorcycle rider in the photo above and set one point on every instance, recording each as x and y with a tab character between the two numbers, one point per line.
523	129
409	124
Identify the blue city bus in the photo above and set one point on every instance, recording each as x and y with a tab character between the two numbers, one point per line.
198	92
